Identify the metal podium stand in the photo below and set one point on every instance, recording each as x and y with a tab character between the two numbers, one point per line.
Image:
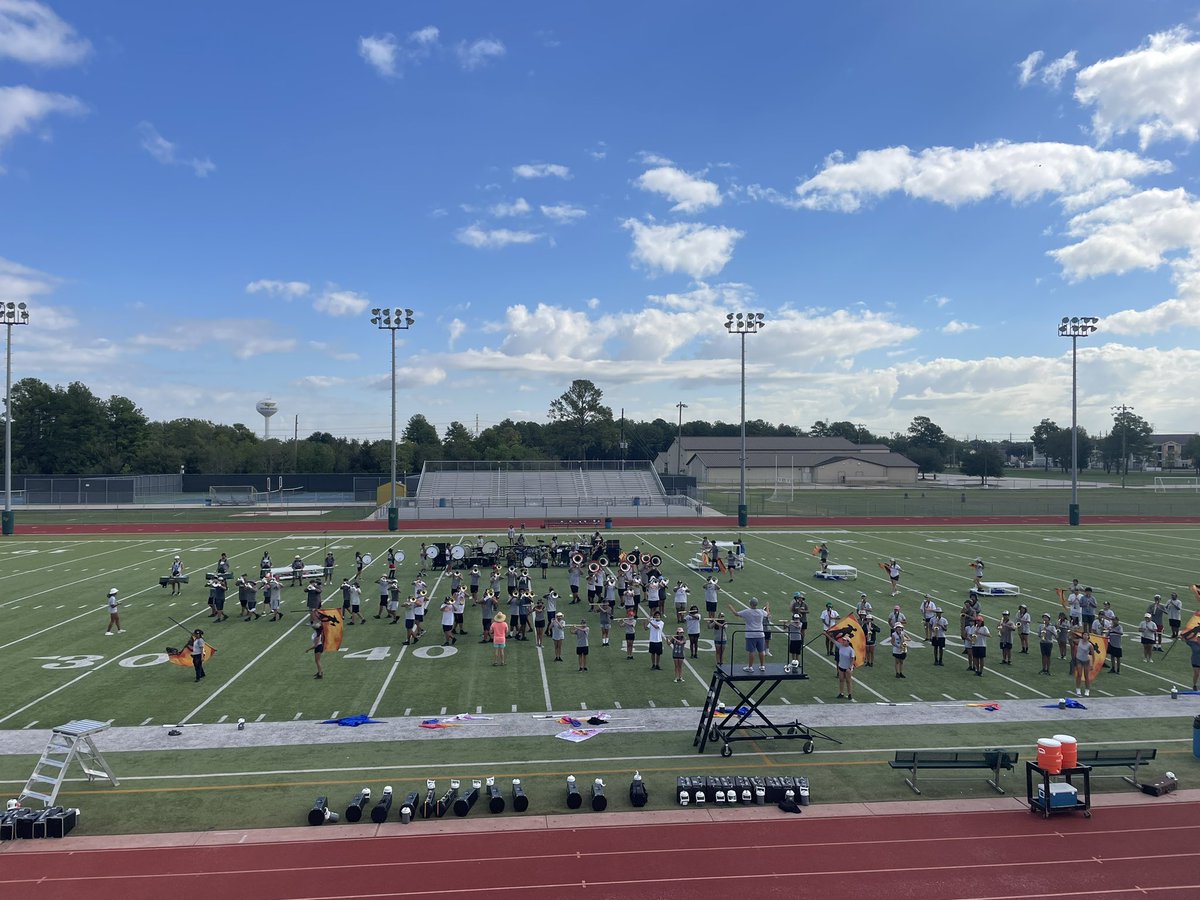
745	719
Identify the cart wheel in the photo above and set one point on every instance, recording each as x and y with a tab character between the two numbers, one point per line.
727	751
714	735
1087	813
809	746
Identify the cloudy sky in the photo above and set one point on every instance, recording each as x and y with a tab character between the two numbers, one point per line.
201	203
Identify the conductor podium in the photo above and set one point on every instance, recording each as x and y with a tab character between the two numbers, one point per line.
741	716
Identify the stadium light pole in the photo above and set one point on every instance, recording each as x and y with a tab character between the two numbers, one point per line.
11	314
743	324
393	320
1075	327
679	443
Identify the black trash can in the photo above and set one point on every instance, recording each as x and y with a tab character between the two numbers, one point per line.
393	518
1073	514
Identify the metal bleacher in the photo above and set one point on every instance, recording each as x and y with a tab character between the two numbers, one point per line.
547	487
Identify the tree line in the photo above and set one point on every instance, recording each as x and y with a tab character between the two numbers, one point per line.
59	430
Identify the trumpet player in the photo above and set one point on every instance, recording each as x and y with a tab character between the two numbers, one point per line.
711	591
655	626
605	610
558	626
574	575
487	609
629	623
979	645
899	649
681	601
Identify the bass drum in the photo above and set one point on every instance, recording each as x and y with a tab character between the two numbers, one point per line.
458	551
432	551
367	560
528	562
490	548
399	558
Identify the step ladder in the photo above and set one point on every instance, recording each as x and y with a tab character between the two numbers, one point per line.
68	743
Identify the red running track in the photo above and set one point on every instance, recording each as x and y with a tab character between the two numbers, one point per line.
1147	851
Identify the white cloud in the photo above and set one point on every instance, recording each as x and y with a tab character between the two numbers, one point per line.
690	192
541	170
938	301
243	338
650	158
319	382
164	151
519	207
31	32
336	302
425	37
457	329
563	213
1154	90
479	53
477	236
599	151
18	282
1028	66
689	247
1051	75
285	289
1015	171
22	108
379	51
593	303
956	327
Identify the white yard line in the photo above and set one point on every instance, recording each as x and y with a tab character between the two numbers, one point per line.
387	681
545	683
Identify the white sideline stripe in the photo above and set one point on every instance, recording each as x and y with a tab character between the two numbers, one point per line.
222	719
387	681
261	716
244	669
545	682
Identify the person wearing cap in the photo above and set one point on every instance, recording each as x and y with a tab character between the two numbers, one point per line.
845	667
264	565
114	617
755	619
937	635
829	618
1006	628
317	646
977	571
928	604
1149	632
966	616
1116	635
899	649
823	552
691	624
558	631
795	637
1158	613
1047	634
196	648
297	570
447	610
1174	614
393	605
871	638
655	626
979	646
678	645
1024	626
176	576
499	634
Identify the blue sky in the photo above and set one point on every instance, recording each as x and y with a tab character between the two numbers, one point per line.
202	202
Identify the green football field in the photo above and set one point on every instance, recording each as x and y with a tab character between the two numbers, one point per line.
61	665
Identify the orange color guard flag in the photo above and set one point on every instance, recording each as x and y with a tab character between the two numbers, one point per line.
331	625
816	551
1101	645
184	657
886	568
858	637
1062	596
1196	590
1192	627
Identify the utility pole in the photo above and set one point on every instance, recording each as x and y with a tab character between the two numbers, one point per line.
1120	418
679	441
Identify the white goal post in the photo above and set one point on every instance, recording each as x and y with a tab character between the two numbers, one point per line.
232	495
1163	484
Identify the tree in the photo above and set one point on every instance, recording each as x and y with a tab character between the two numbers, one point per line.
984	461
928	461
583	421
458	443
1058	448
857	434
922	432
1191	451
1129	439
1043	432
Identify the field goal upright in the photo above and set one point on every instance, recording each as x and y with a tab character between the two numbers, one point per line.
785	482
232	495
1163	484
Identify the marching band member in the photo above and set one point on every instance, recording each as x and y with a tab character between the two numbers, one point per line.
1047	635
979	646
356	603
1116	635
459	602
297	571
845	667
176	576
574	574
1174	614
829	618
678	643
871	634
581	632
474	582
557	633
893	570
410	621
928	605
447	609
539	620
864	607
384	587
1007	627
692	625
276	589
487	609
711	590
719	629
937	635
655	626
681	599
1024	622
264	565
114	616
899	649
977	571
328	565
393	602
605	622
1063	627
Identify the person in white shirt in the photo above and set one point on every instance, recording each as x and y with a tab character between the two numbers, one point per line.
937	635
755	619
114	617
1174	614
845	667
829	618
893	570
655	626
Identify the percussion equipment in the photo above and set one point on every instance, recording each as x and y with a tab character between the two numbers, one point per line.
458	551
355	810
320	812
172	579
379	812
574	801
367	560
432	551
527	562
490	548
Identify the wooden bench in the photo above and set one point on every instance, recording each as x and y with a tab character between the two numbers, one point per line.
917	760
573	523
1119	757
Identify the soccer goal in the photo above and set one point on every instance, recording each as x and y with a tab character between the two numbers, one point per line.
232	495
1163	484
785	482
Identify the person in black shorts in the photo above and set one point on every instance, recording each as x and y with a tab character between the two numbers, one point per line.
581	644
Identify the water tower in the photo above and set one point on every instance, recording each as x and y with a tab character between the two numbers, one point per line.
266	409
